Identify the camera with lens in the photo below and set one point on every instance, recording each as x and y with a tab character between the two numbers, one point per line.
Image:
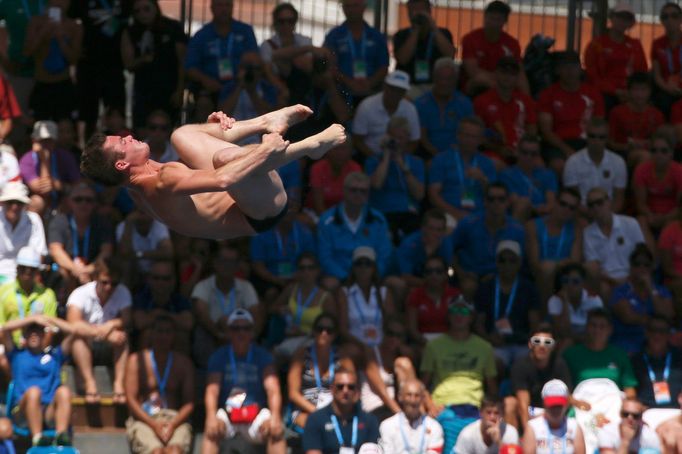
319	65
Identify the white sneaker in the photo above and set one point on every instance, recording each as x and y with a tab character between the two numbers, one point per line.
254	428
229	428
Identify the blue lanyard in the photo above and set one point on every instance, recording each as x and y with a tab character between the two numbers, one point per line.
27	10
510	301
552	437
20	305
221	299
316	368
230	42
666	371
377	318
545	243
351	45
459	166
280	245
669	56
408	448
300	308
86	240
162	382
233	363
339	435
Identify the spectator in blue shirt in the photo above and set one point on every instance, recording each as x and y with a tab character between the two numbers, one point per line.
532	187
442	108
417	247
635	301
242	392
397	179
291	177
458	177
38	394
360	50
348	225
341	426
477	236
216	50
274	253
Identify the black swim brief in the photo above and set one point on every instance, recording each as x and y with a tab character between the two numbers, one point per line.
262	225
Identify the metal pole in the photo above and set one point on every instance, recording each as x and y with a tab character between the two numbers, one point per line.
570	26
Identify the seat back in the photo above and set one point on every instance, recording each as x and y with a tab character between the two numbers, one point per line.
53	450
21	429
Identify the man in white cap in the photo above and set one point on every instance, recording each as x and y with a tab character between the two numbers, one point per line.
46	169
411	430
243	391
374	112
26	295
18	228
554	432
631	435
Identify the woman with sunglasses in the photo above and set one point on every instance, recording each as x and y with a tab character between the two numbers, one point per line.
427	305
362	302
301	303
312	371
153	48
392	361
657	182
290	55
571	302
635	301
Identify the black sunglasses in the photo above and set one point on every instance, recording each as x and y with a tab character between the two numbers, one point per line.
319	329
596	202
626	414
348	386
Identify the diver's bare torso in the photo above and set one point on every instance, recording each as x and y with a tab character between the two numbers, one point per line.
211	215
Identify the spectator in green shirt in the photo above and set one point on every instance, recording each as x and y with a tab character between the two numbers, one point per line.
25	295
595	358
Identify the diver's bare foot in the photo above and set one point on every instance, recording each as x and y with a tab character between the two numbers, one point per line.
280	120
329	138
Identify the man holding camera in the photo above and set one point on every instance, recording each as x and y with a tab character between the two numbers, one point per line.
416	48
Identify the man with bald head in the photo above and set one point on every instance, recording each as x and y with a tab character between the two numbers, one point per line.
411	430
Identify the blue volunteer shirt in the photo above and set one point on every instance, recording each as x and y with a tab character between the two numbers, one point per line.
248	376
319	433
41	369
449	169
631	337
475	246
557	247
279	254
206	48
411	255
371	49
541	181
336	242
394	196
441	125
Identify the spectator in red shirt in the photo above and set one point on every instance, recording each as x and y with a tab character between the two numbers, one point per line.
666	62
326	178
565	108
507	112
9	108
632	123
483	47
657	183
427	305
613	56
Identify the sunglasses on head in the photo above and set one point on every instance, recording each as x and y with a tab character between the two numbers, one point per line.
541	340
348	386
626	414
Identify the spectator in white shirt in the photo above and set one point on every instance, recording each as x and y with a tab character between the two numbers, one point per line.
104	307
411	430
18	228
374	113
608	242
489	433
595	166
632	435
